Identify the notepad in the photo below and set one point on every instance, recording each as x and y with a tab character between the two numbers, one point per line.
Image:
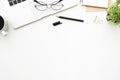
96	3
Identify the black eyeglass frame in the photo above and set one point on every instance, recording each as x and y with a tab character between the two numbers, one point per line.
40	3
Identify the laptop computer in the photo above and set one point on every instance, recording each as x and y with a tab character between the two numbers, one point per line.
22	12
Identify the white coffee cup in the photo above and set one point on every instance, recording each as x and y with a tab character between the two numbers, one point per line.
3	26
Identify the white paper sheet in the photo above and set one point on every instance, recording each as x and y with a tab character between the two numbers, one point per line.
96	3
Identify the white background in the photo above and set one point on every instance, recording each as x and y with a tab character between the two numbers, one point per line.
71	51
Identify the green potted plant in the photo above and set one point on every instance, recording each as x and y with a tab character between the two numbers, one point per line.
113	13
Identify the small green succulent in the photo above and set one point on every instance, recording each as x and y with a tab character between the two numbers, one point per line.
113	13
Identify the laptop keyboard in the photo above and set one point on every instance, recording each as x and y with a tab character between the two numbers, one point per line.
14	2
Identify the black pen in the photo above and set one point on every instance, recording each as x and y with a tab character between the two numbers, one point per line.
73	19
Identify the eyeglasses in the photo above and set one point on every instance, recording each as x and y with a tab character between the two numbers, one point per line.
41	6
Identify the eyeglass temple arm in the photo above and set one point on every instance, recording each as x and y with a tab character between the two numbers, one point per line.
38	2
58	2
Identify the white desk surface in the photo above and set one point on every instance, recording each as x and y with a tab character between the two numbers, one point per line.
71	51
